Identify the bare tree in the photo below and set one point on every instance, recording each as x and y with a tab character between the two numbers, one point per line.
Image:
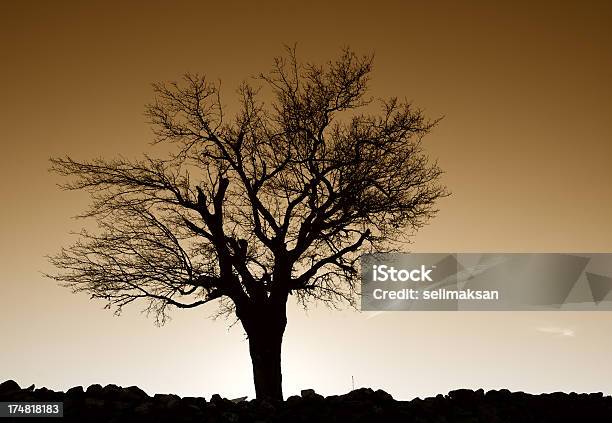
277	200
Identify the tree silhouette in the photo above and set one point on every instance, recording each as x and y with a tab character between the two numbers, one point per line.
278	200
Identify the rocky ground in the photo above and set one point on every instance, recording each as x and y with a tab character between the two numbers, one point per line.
116	404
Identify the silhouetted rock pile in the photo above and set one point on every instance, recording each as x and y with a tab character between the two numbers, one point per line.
116	404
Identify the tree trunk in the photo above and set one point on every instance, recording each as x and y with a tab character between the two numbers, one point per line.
265	329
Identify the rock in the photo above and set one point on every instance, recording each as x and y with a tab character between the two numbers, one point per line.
216	399
266	407
361	394
197	402
135	393
30	388
222	403
383	396
463	395
144	409
167	400
116	404
94	403
230	417
94	390
76	391
294	400
308	393
122	405
44	394
8	387
111	391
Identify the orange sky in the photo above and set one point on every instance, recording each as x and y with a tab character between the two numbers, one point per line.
526	144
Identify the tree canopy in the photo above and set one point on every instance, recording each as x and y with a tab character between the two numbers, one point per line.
279	198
